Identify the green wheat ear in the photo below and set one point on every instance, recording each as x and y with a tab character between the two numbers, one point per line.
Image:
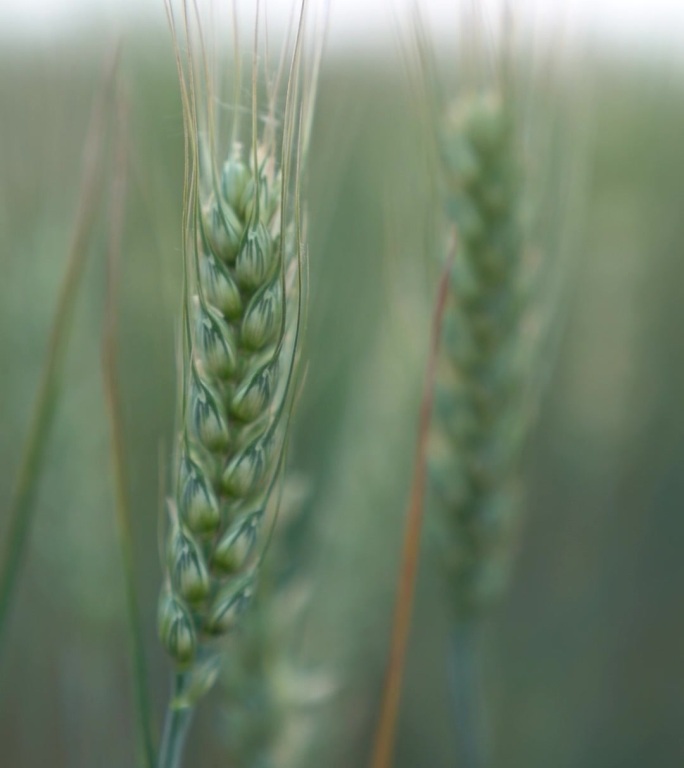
243	308
480	405
237	367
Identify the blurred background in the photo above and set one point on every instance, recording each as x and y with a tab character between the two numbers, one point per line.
585	657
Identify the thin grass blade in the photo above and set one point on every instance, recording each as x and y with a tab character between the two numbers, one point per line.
389	710
22	506
117	209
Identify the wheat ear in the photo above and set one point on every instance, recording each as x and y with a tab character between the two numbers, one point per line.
480	413
242	317
482	395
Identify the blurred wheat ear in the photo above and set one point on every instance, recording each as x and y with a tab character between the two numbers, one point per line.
488	376
481	414
243	310
22	505
492	366
272	703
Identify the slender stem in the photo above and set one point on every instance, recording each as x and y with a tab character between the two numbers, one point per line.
384	735
117	210
22	506
466	695
175	729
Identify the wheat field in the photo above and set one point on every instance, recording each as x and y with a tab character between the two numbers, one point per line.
582	656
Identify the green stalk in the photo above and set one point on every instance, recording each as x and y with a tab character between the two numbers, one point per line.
176	728
469	715
113	400
22	505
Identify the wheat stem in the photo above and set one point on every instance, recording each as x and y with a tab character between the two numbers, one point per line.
22	506
469	714
176	728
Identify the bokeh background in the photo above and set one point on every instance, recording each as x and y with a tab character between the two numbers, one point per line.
585	658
